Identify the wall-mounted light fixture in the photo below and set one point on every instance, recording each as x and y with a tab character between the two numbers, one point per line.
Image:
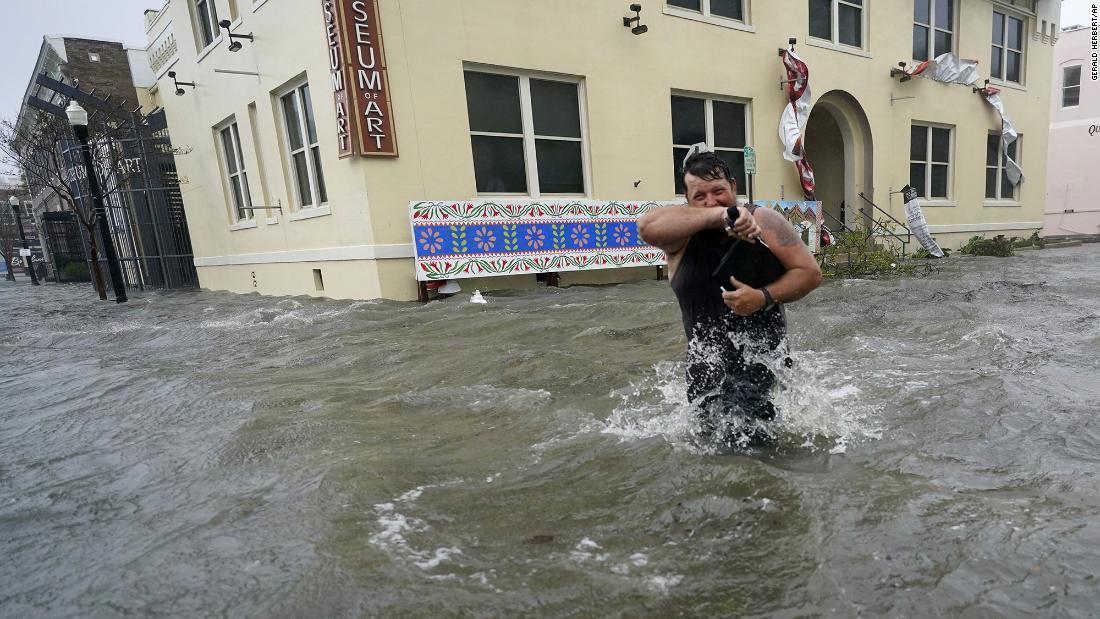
637	19
177	83
234	44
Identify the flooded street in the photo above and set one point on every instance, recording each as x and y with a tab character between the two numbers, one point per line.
213	454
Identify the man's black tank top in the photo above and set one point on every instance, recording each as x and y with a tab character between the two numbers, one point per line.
701	307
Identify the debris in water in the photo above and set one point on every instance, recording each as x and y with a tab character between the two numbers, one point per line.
477	298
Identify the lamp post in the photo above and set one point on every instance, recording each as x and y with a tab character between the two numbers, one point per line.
78	118
14	202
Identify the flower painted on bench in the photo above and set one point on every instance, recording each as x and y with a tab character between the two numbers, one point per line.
579	236
621	234
431	241
535	238
484	238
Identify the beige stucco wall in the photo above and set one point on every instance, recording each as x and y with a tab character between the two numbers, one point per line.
627	85
1074	156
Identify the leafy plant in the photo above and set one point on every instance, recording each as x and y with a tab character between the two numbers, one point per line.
75	272
980	246
922	253
860	255
1032	241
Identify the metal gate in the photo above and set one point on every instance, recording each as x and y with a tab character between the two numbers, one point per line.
145	208
65	246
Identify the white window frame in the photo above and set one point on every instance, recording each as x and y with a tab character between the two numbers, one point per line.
705	15
234	133
708	128
834	7
1017	5
999	9
932	28
949	198
315	180
530	160
211	14
1000	168
1077	86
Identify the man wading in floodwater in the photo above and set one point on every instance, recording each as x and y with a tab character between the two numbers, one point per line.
727	388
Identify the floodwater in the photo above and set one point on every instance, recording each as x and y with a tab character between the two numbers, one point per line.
209	454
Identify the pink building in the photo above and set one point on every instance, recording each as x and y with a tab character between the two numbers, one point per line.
1073	158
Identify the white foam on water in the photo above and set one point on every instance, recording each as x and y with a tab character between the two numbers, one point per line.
441	555
662	583
584	551
394	528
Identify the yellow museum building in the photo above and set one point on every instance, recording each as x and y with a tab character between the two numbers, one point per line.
308	126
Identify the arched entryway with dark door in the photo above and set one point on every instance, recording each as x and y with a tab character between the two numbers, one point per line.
839	148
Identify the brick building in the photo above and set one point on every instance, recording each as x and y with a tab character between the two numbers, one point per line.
107	66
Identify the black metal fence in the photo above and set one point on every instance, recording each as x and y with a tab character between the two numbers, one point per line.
136	167
65	246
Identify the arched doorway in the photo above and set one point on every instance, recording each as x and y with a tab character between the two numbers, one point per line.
839	148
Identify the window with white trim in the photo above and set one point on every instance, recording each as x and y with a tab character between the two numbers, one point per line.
303	152
526	134
933	28
930	161
997	185
726	9
206	22
1071	86
838	21
229	139
1008	48
722	123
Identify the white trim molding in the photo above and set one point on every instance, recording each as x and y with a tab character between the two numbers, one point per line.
994	227
308	212
322	254
714	20
243	224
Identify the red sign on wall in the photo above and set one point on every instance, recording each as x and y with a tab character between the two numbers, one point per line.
360	86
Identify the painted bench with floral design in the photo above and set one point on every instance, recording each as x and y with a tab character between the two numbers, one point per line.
489	237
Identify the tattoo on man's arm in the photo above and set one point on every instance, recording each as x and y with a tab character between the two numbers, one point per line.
783	230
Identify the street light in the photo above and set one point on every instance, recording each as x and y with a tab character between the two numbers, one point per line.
78	118
14	202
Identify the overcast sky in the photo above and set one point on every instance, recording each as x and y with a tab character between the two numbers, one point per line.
27	21
22	30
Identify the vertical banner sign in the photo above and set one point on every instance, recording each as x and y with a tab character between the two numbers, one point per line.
366	84
339	74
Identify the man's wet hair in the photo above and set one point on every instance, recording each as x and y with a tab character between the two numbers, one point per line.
707	166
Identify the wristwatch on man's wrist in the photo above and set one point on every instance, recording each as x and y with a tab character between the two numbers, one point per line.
769	302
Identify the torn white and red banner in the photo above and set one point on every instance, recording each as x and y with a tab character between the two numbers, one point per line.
951	69
1008	134
947	68
792	124
917	224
